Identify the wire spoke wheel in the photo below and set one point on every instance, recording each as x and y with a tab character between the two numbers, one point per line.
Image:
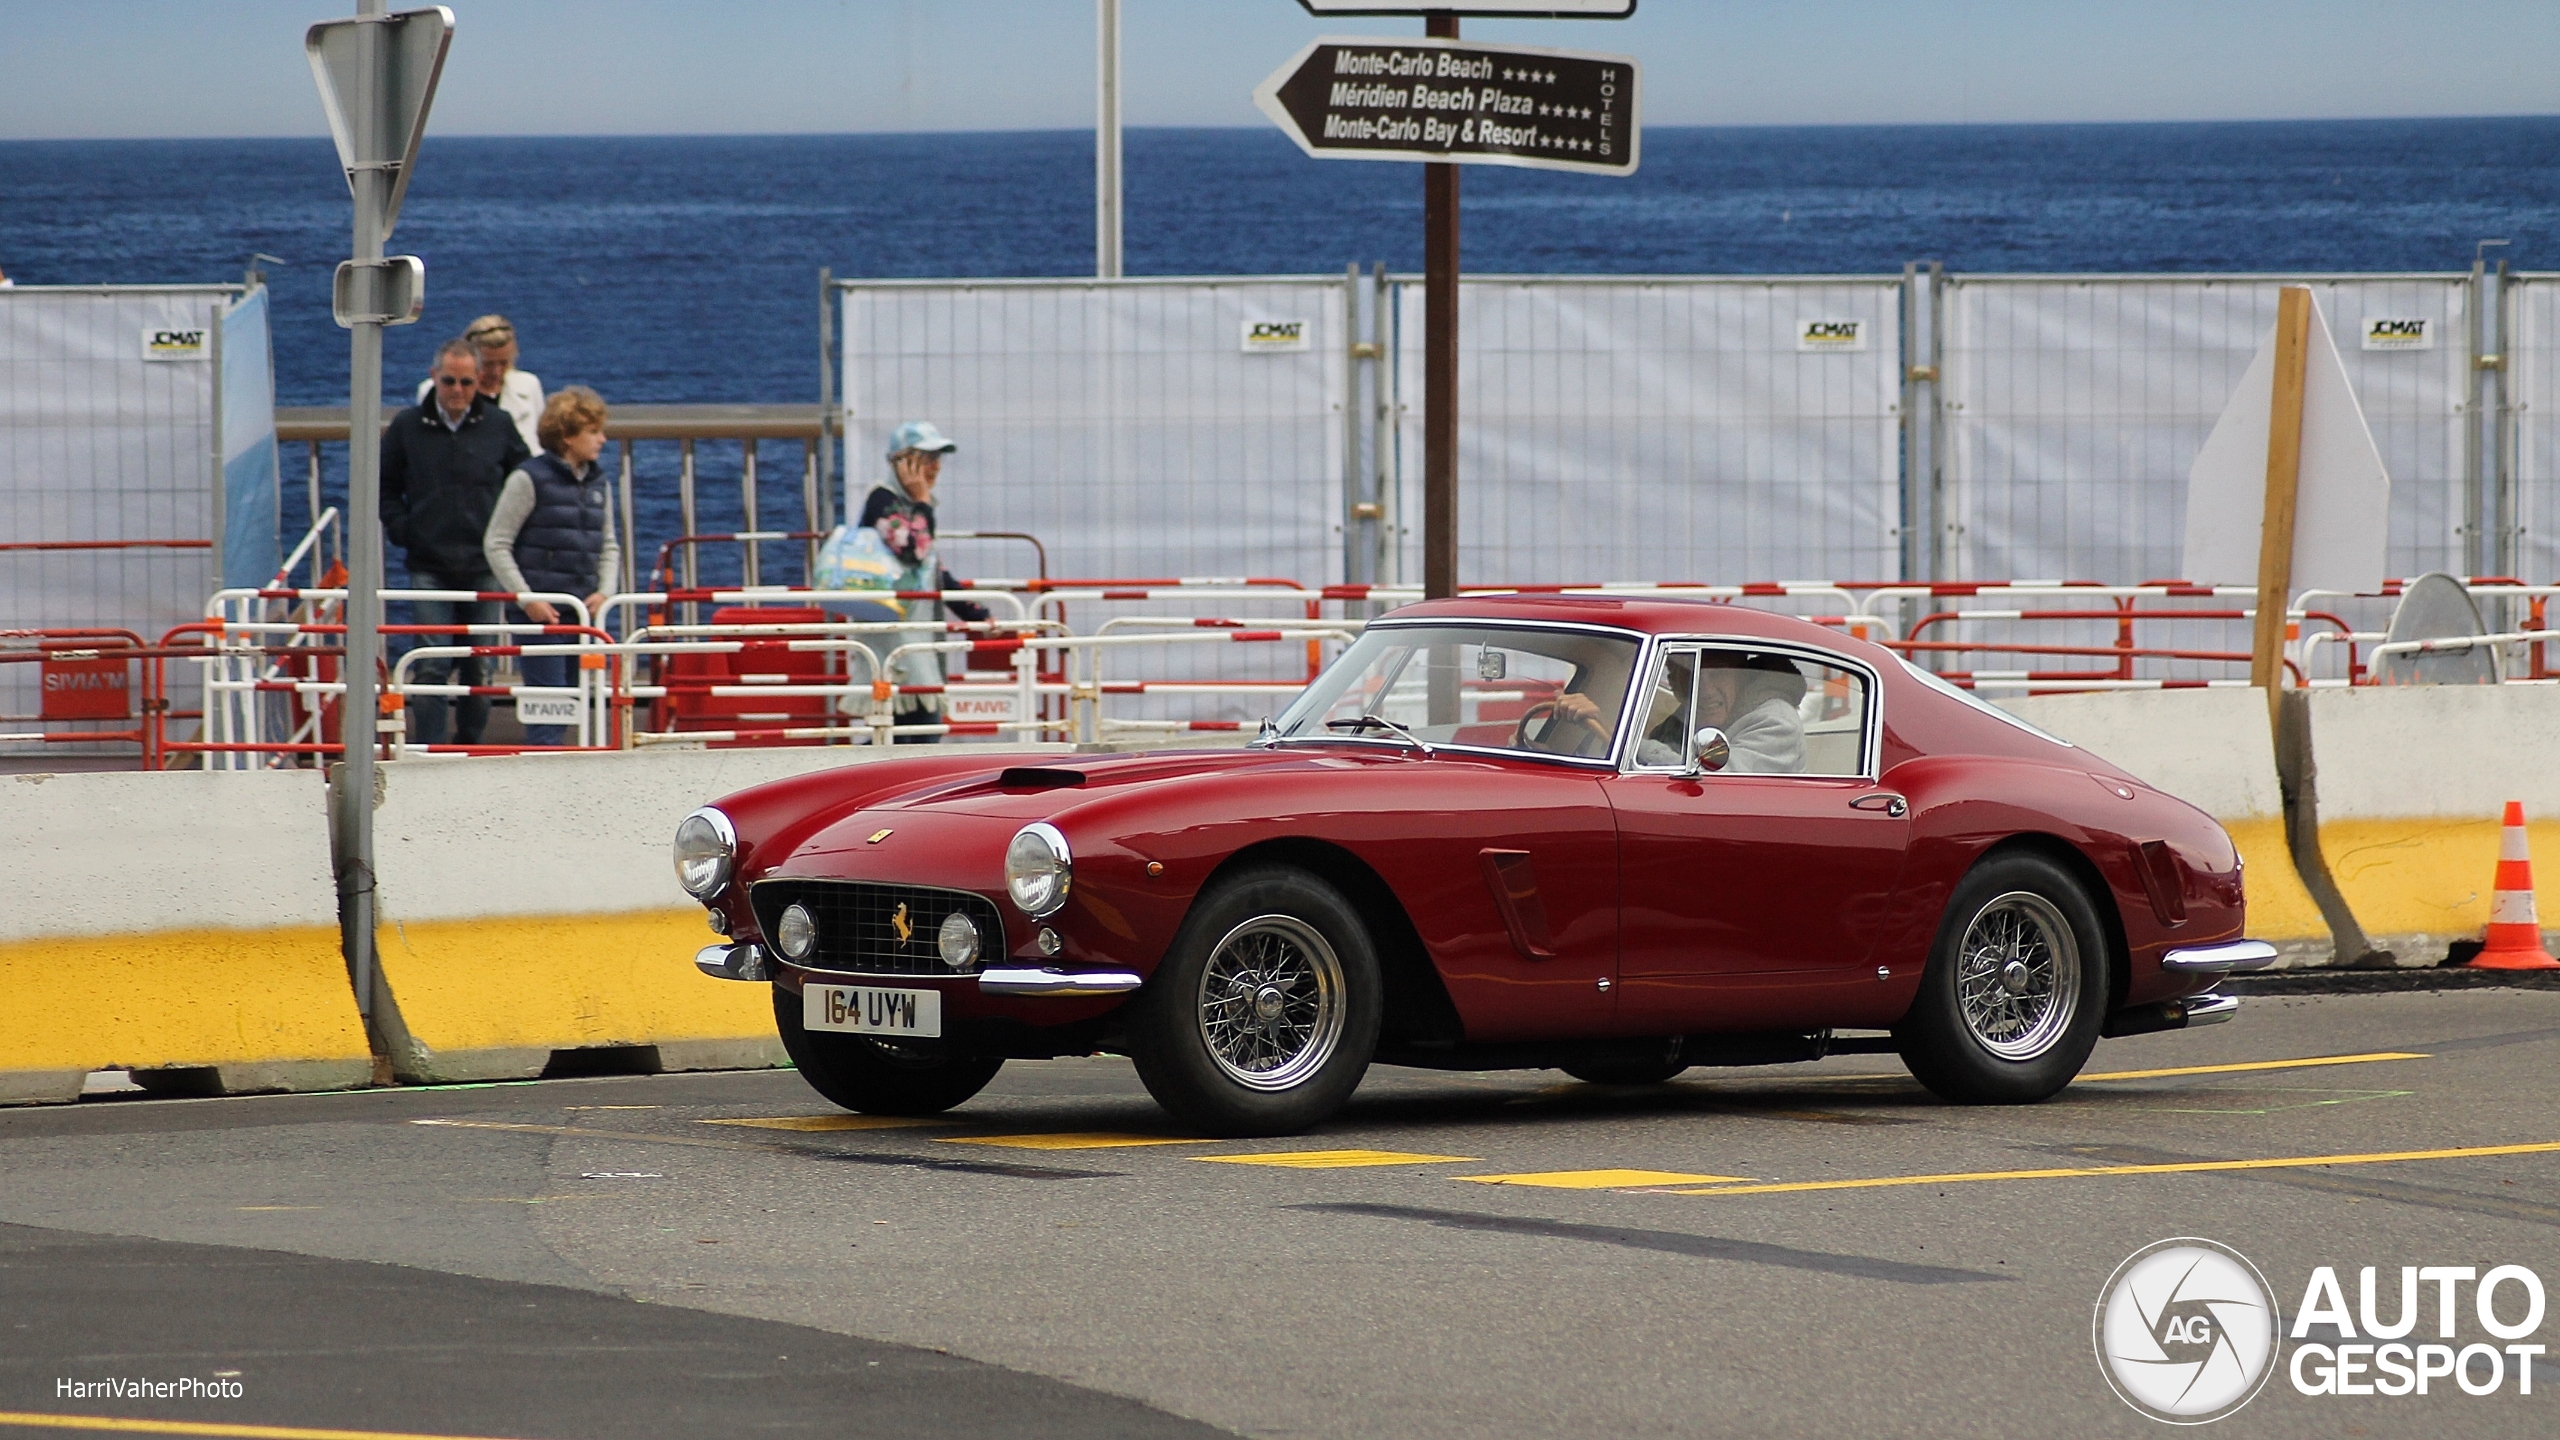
2017	977
1272	1003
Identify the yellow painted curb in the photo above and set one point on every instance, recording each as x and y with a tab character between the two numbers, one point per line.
2430	875
2279	907
177	998
564	982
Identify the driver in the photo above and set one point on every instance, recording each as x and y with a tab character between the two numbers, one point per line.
1581	725
1756	701
1577	724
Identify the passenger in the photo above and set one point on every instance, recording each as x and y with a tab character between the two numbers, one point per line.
902	512
1756	701
443	462
518	392
553	530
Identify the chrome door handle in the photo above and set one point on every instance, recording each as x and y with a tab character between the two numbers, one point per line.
1894	806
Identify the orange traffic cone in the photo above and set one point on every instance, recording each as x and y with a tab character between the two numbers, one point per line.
2515	933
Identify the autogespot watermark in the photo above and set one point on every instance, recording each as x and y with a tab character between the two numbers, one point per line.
221	1385
2477	1367
2188	1331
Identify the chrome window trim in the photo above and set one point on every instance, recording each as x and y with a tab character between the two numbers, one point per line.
1871	733
1607	763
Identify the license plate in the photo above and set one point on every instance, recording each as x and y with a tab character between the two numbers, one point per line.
861	1010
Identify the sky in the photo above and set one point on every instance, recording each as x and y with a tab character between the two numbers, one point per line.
75	69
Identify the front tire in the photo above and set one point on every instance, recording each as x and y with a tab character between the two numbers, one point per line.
1264	1015
878	1077
2009	1007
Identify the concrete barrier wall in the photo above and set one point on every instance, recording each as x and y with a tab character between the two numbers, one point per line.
2411	783
529	906
183	926
2214	749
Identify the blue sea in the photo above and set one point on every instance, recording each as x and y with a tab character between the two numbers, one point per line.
662	269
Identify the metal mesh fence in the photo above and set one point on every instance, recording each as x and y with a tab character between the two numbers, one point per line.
1126	422
2533	400
104	436
2073	407
1666	429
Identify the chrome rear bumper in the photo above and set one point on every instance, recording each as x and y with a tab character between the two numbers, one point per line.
2184	1014
2221	959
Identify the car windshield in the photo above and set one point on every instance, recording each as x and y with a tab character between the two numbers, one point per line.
1539	692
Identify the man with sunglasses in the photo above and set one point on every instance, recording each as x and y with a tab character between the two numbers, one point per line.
443	463
518	392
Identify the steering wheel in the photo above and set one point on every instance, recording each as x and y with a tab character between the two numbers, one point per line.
1547	710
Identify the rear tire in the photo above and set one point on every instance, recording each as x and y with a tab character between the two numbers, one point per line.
878	1077
1264	1015
2009	1006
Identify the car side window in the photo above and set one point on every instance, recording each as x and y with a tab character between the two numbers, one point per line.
1782	714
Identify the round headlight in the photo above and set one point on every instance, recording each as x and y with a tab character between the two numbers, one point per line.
705	844
1037	869
958	940
796	934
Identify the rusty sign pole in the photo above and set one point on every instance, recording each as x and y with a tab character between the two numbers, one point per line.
1445	104
2284	476
1440	363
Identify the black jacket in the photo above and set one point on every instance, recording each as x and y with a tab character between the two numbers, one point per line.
439	485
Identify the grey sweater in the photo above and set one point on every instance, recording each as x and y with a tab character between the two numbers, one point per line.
515	505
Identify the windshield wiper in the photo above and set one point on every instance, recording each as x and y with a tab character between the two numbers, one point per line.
1381	722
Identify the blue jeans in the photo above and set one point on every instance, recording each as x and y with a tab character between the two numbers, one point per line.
428	713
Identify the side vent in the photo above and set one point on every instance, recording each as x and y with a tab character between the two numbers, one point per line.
2163	881
1514	882
1038	777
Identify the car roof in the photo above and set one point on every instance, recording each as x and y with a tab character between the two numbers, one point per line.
1651	614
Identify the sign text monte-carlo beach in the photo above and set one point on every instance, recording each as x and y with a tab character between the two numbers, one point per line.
1450	101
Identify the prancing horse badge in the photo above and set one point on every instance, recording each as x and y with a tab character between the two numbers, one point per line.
898	922
879	835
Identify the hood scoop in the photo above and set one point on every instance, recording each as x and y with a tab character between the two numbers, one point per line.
1038	777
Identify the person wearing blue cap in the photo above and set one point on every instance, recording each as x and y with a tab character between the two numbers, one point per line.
902	513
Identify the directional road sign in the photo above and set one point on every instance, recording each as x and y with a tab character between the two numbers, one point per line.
1446	100
1519	9
378	113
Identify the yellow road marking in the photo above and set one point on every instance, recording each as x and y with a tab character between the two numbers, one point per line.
2184	1167
833	1122
113	1425
1093	1140
2258	1065
1334	1159
1599	1179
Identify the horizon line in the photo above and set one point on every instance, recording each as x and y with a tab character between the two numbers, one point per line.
1265	128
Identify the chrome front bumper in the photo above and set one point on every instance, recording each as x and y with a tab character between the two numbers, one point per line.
749	962
732	962
1050	980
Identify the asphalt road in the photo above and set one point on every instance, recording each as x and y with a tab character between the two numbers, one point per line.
1742	1252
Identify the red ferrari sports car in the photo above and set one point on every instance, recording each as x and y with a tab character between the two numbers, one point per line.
1616	837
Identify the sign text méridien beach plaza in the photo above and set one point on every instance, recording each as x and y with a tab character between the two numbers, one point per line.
1445	100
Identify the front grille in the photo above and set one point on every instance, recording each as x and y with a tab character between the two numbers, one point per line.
858	923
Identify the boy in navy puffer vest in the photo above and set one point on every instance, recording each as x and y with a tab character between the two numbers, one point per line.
552	531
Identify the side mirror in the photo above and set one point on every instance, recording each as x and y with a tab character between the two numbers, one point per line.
1712	750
